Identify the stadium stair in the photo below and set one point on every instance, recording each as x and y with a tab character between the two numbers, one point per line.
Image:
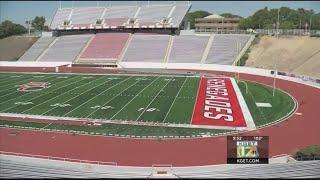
243	50
166	58
125	48
208	47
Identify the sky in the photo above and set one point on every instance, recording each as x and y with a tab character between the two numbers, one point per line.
20	11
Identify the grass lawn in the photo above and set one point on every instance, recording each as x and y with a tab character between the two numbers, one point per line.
281	102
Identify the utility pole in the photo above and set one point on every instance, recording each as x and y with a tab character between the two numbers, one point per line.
310	25
275	63
60	6
0	11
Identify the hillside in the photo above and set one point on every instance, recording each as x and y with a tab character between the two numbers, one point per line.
298	55
11	48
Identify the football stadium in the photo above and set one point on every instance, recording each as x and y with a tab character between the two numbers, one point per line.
131	91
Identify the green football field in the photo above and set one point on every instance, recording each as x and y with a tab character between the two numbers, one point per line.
166	99
163	99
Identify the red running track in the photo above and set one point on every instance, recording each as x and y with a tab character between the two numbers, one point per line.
285	138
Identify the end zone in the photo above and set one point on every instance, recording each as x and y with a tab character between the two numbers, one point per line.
220	104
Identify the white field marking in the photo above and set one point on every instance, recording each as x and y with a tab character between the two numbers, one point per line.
59	105
30	92
47	125
46	94
195	101
174	100
153	99
98	94
107	107
112	98
23	103
243	105
85	84
95	107
16	76
299	114
141	79
62	77
111	78
134	98
83	92
263	104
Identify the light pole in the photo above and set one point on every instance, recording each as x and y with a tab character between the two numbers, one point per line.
275	63
310	25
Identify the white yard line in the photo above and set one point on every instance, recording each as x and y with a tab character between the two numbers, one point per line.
47	125
174	100
98	94
48	93
243	105
195	102
22	95
64	93
113	98
134	97
78	94
153	99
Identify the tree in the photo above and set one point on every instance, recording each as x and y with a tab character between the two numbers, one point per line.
8	28
289	19
38	23
245	23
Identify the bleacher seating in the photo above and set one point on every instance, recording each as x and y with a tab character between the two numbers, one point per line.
188	49
66	48
151	15
105	46
224	48
147	48
60	16
36	49
118	15
179	13
86	16
21	167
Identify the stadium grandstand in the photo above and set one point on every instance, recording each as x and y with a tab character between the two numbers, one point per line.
105	47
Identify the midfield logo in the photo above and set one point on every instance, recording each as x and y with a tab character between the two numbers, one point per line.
33	86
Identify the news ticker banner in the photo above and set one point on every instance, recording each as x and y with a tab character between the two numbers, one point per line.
247	149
